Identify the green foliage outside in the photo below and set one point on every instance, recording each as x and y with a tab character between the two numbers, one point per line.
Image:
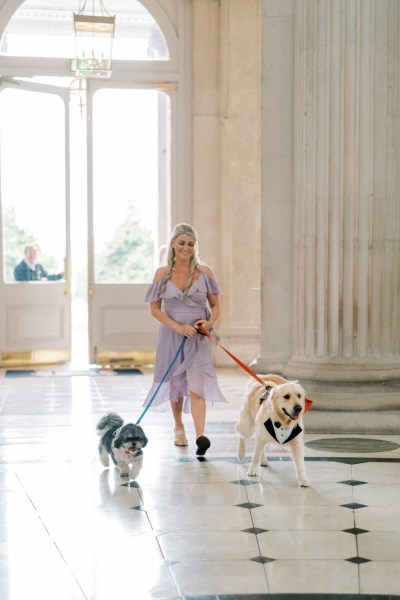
129	257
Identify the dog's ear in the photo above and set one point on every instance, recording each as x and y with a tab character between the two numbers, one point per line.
273	392
265	394
144	439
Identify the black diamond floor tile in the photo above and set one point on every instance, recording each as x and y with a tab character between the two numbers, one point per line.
132	484
353	482
248	505
244	482
255	530
355	531
358	560
262	559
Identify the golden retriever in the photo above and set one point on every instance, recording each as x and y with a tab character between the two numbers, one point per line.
274	413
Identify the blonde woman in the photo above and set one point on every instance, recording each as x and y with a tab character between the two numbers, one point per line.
185	292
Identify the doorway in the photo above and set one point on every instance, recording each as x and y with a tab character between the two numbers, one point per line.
109	220
104	202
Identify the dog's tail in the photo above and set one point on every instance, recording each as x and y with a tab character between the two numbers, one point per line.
108	422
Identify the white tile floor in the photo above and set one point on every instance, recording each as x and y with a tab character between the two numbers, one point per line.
186	528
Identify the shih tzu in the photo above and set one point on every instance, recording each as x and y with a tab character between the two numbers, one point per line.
123	442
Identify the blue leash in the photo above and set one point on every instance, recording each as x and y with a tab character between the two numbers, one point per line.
162	380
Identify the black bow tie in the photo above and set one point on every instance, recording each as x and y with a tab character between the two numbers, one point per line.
274	427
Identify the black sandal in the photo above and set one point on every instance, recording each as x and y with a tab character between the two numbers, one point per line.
203	444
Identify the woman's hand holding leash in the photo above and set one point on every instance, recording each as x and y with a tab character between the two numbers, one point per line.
187	331
202	323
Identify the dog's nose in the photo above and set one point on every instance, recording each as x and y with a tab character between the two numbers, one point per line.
297	409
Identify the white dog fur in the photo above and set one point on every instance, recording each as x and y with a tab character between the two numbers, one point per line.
283	404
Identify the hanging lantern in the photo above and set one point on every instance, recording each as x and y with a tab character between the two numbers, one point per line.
94	36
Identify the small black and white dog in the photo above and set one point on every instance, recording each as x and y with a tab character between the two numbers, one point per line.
123	442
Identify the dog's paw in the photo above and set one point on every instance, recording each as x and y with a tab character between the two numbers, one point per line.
264	462
304	483
124	473
252	471
134	473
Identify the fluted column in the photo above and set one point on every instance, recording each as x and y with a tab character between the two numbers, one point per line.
339	312
346	191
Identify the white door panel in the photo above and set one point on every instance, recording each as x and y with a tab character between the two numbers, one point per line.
36	318
121	321
128	200
34	209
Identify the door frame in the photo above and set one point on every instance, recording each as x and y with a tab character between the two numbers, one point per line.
176	24
48	303
106	305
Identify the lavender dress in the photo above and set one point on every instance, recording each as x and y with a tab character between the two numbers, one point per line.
193	369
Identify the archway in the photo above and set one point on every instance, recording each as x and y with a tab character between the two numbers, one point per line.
141	91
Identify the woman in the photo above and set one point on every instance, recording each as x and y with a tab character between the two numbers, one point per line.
185	293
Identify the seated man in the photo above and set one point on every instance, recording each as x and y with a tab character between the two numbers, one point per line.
29	270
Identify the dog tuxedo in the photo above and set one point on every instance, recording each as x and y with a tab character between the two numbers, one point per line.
279	433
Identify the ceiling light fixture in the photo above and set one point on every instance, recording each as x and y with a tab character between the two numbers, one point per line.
94	34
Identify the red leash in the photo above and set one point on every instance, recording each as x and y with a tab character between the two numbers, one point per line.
308	402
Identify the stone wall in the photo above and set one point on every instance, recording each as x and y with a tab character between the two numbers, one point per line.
226	162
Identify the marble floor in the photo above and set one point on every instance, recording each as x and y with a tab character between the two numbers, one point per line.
187	527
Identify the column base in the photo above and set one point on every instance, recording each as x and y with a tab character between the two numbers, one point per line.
370	370
352	422
361	400
353	407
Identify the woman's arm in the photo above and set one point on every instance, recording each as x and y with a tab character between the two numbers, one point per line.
182	328
213	301
215	310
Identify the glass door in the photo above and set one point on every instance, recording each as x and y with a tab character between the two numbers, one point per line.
129	200
35	301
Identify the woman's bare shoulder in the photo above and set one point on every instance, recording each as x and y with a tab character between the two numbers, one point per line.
205	269
160	274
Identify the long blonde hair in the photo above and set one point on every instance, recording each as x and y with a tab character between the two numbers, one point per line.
181	229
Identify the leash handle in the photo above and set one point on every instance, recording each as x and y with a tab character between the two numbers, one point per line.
162	381
308	402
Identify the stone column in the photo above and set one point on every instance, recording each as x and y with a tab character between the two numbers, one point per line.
345	238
